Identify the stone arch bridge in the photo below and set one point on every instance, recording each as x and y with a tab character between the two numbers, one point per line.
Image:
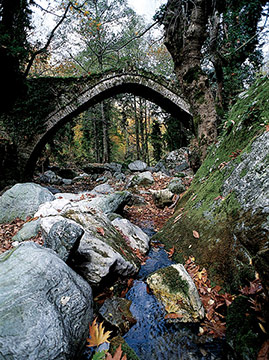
55	101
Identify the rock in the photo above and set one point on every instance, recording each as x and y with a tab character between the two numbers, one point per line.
176	186
175	161
29	230
94	168
137	200
111	203
227	201
46	310
102	189
67	181
162	198
142	179
81	177
116	312
120	176
102	252
63	236
182	167
114	167
175	289
137	239
49	177
137	165
22	200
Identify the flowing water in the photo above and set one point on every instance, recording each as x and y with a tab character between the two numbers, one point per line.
152	337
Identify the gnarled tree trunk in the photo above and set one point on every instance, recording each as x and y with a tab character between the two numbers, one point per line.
185	24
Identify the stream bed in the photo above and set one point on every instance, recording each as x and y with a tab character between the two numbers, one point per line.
153	337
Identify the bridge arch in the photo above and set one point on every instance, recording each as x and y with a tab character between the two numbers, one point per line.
90	93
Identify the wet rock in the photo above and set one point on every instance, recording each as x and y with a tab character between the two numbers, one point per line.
116	312
135	237
22	200
162	198
175	289
45	311
137	165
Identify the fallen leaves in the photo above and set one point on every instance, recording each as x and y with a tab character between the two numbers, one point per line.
98	335
212	300
100	230
117	355
171	251
195	234
7	231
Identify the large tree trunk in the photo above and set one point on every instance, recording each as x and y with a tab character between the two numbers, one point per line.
185	25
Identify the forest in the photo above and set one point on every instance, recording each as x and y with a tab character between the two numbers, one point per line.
134	180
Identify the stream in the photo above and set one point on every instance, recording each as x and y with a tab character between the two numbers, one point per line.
153	337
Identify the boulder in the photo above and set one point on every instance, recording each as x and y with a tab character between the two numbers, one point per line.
135	237
176	186
162	198
61	235
175	289
49	177
29	230
105	203
45	311
22	200
114	167
103	252
137	165
227	201
102	189
142	179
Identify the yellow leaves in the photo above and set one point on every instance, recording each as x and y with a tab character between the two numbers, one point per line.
98	335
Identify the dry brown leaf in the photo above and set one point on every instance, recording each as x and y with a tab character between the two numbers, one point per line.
264	351
100	230
98	335
195	234
117	355
173	316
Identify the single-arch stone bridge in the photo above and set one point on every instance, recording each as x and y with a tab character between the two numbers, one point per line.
52	102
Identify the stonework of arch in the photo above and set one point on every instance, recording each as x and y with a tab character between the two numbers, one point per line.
90	92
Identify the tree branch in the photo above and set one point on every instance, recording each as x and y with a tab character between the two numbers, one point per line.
40	51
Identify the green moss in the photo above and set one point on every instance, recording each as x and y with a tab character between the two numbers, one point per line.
204	207
174	282
7	254
126	349
243	172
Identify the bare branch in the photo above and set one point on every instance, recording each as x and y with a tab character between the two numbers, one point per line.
45	47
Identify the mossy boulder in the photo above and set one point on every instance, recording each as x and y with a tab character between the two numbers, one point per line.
227	203
175	289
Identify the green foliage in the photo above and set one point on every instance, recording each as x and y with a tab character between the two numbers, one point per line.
100	355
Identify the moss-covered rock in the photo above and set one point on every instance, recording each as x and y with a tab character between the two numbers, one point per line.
175	289
227	201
